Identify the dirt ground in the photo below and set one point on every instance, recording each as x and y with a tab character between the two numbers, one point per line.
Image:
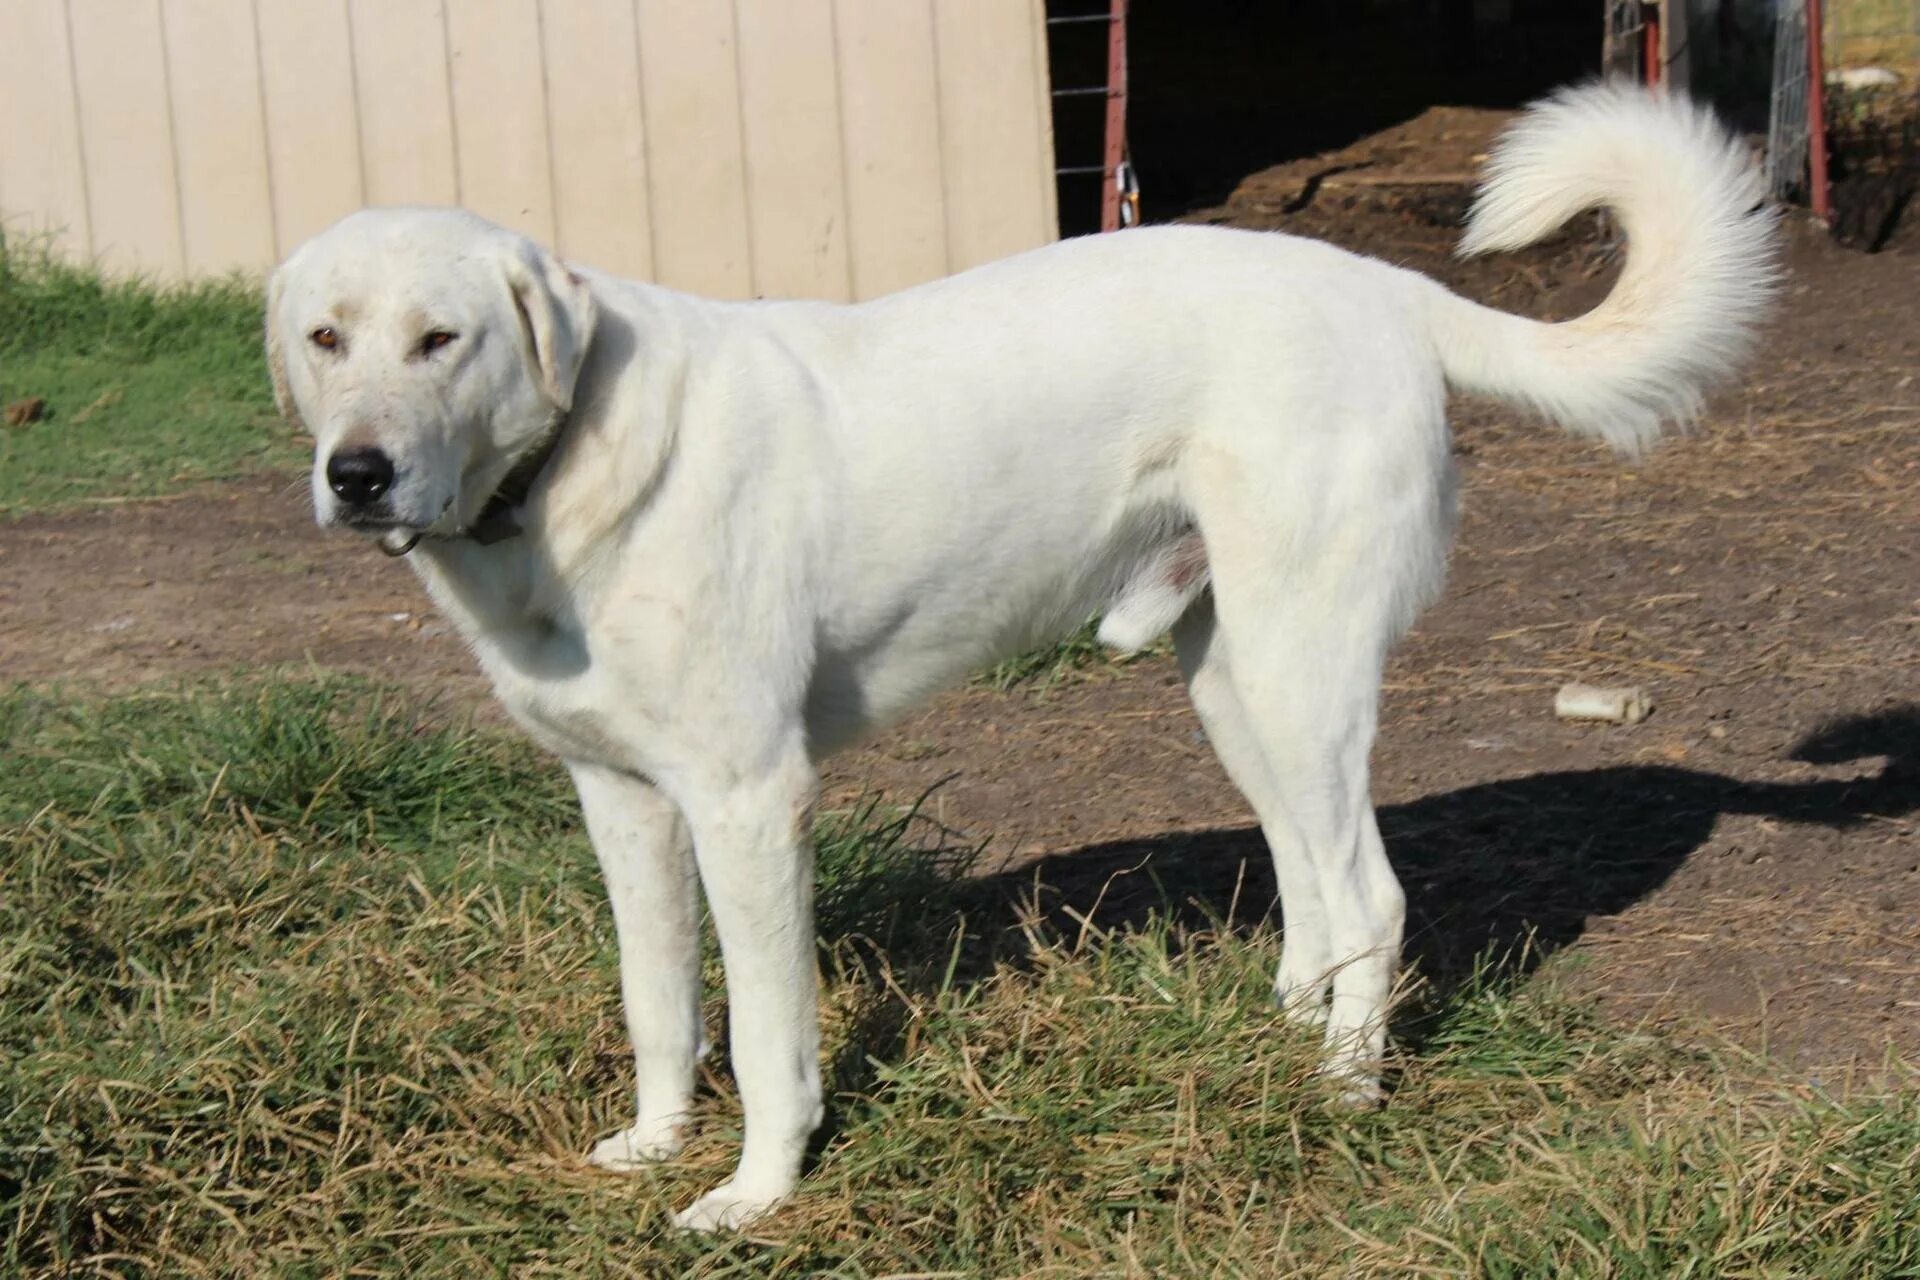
1744	861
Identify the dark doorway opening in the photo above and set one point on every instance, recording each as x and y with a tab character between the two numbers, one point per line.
1219	89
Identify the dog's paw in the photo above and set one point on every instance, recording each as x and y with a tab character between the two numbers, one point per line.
725	1208
1360	1095
633	1147
1355	1087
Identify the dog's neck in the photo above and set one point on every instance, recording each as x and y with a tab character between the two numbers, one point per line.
595	467
607	463
497	520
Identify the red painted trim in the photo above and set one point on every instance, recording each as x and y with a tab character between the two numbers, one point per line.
1650	67
1822	193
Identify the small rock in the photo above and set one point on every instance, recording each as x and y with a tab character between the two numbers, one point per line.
1588	702
1864	78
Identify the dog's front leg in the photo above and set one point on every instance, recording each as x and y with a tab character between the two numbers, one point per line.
646	858
756	864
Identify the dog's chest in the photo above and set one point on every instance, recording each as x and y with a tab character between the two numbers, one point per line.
546	671
551	687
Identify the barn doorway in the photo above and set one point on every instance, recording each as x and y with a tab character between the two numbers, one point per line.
1219	89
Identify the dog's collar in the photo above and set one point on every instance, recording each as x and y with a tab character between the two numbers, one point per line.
496	521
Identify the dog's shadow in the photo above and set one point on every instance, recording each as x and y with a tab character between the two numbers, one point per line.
1501	874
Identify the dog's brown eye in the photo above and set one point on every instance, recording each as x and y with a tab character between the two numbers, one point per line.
325	337
436	340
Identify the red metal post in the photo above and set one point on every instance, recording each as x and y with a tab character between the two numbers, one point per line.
1116	152
1650	62
1822	194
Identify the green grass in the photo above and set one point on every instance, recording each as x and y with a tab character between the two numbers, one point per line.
147	389
296	979
1078	654
1882	33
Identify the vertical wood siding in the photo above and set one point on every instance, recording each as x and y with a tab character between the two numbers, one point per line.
738	148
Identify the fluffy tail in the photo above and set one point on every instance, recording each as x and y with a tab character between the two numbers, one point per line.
1699	272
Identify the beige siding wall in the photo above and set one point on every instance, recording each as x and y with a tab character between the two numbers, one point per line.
738	148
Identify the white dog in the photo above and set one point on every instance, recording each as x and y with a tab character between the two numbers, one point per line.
698	545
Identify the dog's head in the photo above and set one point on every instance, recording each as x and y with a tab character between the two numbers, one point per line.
426	351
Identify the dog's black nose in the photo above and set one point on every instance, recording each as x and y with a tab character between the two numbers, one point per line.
359	476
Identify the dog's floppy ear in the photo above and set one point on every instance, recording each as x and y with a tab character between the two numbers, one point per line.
277	355
557	315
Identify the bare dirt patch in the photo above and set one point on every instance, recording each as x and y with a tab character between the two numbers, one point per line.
1746	859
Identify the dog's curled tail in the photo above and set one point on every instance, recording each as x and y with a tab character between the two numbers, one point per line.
1699	272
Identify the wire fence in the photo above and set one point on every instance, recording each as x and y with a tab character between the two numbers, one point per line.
1787	134
1625	38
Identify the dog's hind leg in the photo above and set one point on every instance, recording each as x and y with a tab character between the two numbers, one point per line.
1306	615
1306	957
1312	712
1309	692
646	858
